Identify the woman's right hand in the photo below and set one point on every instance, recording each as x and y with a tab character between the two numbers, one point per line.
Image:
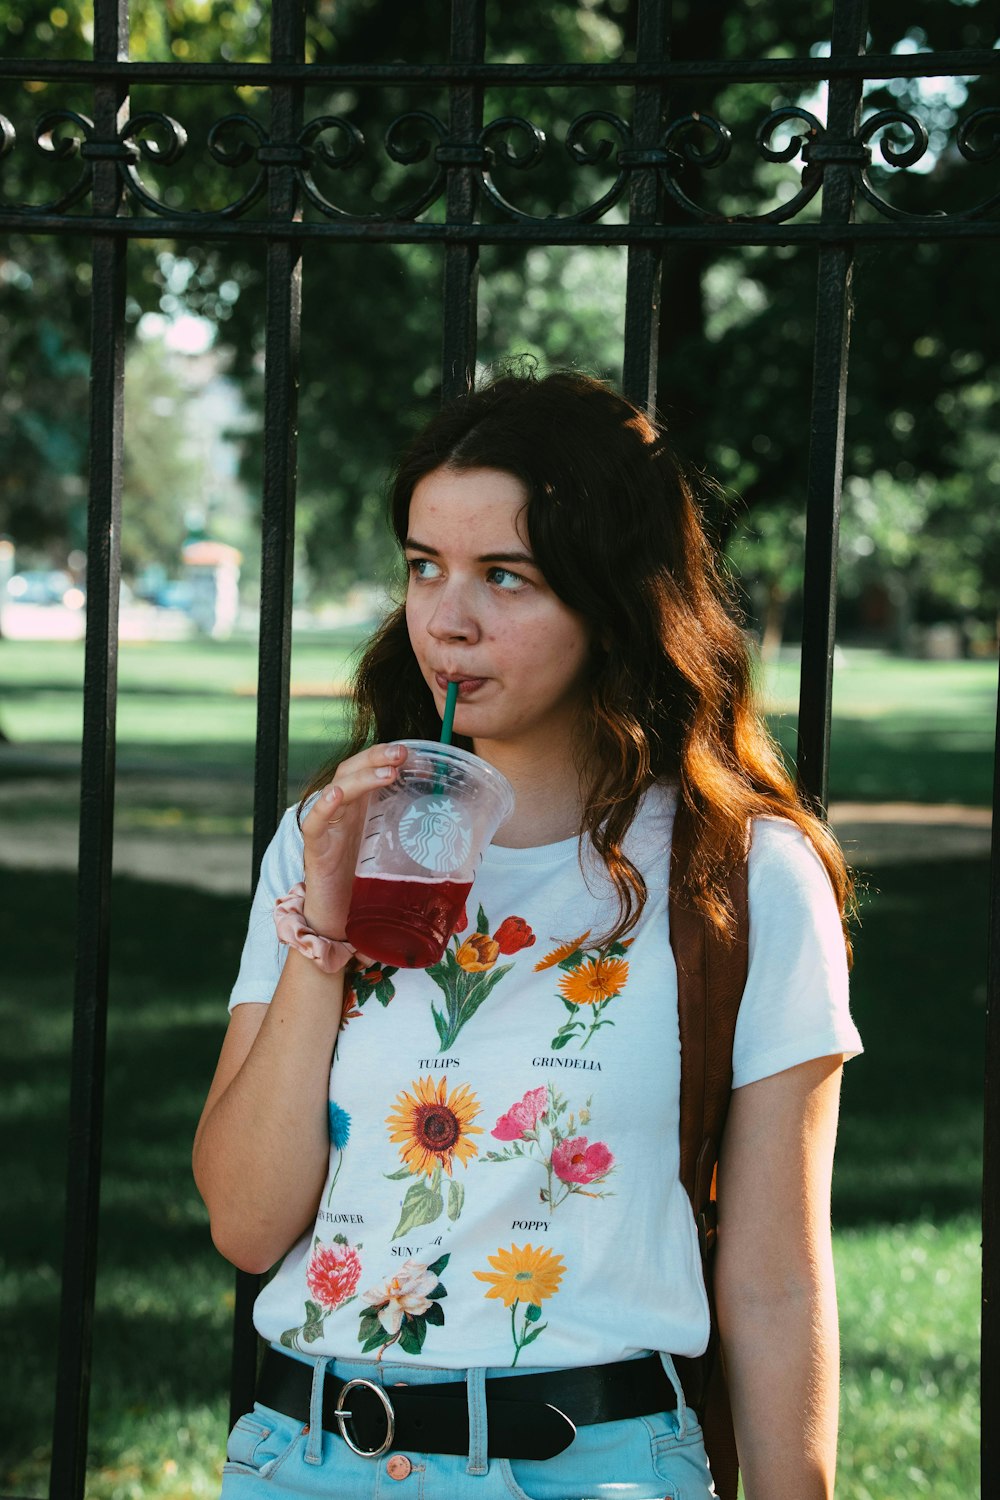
331	834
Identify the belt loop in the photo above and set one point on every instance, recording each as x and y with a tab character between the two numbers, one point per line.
682	1412
314	1447
478	1428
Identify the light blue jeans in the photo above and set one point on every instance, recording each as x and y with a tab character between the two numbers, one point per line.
658	1457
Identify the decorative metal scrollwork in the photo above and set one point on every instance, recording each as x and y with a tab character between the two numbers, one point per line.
896	154
48	137
689	147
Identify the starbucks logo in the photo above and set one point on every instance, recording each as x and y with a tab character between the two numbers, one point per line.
436	835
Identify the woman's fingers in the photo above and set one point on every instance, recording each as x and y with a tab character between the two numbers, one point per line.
350	788
331	833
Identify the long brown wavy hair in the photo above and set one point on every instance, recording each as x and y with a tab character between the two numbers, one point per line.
615	528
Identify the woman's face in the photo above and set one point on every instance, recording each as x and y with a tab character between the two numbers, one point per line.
480	613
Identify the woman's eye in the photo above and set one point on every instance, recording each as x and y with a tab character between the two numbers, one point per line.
505	579
422	567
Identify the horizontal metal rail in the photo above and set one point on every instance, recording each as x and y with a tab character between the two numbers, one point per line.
404	232
971	63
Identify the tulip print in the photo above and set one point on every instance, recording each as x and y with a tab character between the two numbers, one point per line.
513	934
469	971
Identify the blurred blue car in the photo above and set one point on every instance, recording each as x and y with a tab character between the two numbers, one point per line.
48	586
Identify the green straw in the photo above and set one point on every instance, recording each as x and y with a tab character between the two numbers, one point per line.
451	698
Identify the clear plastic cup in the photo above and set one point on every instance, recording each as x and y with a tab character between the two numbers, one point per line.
421	847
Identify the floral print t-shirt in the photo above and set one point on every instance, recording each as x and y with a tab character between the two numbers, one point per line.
503	1184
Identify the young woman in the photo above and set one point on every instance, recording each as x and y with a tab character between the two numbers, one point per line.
477	1200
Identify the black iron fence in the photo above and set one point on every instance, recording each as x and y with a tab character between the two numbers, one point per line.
283	165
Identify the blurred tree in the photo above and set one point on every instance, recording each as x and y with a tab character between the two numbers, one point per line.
165	475
736	323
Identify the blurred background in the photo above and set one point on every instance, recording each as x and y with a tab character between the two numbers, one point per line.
914	698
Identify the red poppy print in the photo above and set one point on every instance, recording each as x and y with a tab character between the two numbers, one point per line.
579	1161
542	1128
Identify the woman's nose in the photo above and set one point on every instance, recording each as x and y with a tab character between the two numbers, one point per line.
453	617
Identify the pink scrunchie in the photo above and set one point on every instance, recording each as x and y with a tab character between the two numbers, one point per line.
331	954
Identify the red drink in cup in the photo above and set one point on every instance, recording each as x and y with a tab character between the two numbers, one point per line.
405	922
424	838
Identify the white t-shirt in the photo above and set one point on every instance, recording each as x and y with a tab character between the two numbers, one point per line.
503	1181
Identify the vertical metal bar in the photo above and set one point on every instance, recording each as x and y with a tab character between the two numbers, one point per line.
990	1337
645	262
826	422
97	788
281	391
461	262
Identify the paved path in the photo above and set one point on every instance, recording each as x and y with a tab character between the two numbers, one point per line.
874	835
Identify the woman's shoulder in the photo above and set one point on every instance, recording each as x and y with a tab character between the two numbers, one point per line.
283	857
784	864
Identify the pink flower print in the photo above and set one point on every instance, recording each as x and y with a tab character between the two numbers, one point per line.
577	1160
521	1117
333	1274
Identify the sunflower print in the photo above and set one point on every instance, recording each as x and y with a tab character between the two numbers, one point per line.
524	1275
433	1127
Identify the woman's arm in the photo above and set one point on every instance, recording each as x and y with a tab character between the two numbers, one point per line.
262	1146
774	1281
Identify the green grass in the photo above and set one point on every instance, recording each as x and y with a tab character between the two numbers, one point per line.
909	1299
188	706
919	731
909	1167
906	1199
903	730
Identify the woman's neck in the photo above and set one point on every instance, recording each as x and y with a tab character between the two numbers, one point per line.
548	796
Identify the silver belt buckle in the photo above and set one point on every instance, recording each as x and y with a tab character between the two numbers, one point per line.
340	1416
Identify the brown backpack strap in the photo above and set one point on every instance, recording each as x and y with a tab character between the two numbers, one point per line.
711	976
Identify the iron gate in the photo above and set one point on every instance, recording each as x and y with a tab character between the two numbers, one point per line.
112	204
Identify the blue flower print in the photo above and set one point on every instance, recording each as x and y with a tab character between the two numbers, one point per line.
340	1134
340	1127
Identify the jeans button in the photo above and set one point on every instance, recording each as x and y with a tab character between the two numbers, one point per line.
398	1466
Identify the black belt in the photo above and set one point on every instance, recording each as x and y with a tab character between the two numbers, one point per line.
529	1416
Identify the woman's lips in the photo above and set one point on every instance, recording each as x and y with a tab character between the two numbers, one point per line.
466	685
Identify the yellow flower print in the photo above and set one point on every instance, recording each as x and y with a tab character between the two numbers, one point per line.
434	1127
523	1274
477	954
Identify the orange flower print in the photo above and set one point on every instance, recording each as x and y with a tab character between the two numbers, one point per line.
591	977
594	981
477	954
560	954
